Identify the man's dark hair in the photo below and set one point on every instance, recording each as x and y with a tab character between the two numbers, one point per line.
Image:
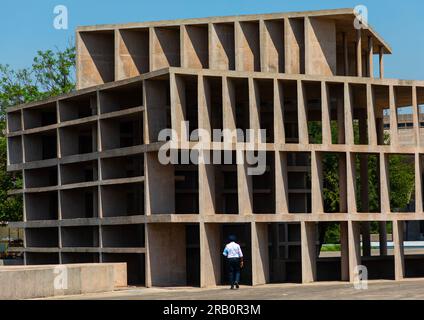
232	238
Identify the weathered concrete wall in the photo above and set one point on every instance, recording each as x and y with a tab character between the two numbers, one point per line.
28	282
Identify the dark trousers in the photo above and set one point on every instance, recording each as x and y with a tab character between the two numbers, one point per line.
234	270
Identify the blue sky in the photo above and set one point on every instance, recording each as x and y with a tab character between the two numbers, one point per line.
27	25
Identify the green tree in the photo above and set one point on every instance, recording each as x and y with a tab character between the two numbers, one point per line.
51	73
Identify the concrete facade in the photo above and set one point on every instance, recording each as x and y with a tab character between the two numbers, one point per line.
95	191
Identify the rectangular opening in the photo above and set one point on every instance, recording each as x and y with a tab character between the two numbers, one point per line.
263	185
78	107
83	237
274	46
41	146
405	123
291	120
192	255
41	177
133	51
79	257
213	90
123	236
412	235
402	182
79	172
336	101
367	172
121	98
97	58
285	253
15	154
360	113
186	189
41	258
223	44
382	113
241	105
166	47
334	181
158	108
135	265
225	183
296	45
120	200
312	96
123	167
188	97
14	121
377	250
79	203
41	206
266	108
40	116
122	132
299	182
243	234
196	46
329	251
248	51
78	139
42	237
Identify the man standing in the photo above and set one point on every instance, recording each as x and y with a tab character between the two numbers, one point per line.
235	260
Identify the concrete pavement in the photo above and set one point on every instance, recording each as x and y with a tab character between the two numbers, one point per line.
411	289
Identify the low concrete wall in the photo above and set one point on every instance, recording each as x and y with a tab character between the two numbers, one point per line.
26	282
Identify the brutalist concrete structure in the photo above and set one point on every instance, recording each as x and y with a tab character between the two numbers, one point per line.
95	191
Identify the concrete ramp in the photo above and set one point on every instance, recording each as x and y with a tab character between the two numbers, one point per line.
27	282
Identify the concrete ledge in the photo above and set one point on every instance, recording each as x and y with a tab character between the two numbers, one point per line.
26	282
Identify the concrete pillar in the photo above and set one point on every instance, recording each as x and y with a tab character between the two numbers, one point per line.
348	111
309	251
301	114
254	110
207	198
365	226
398	231
351	183
210	255
416	116
344	244
384	184
394	138
326	115
370	57
381	61
359	53
372	130
345	54
204	106
260	253
279	131
281	183
317	183
244	182
418	183
354	248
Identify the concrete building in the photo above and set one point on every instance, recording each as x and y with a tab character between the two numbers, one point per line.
95	191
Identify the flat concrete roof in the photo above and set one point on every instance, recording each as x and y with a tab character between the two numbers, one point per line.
340	14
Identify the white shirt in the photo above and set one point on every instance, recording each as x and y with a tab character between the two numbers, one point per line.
232	250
